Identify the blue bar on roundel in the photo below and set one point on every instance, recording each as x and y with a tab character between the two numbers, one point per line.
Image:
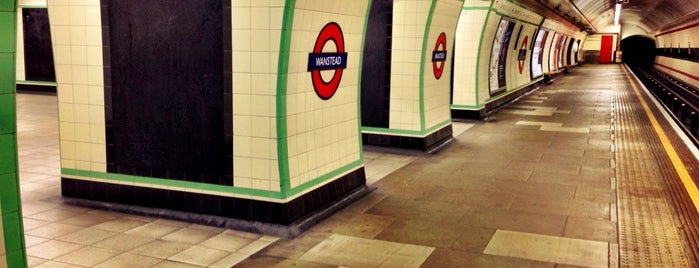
327	61
439	55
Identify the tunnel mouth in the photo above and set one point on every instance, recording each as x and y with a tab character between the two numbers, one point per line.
638	51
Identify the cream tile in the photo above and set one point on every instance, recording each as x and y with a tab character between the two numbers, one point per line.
92	16
88	256
198	255
54	215
94	55
154	230
161	248
230	260
55	264
87	236
59	15
94	36
549	248
52	249
190	235
61	36
129	260
53	230
254	247
77	15
227	241
34	261
343	250
174	264
95	75
30	240
123	242
62	54
120	225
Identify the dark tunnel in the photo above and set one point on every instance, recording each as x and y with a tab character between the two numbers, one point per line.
638	51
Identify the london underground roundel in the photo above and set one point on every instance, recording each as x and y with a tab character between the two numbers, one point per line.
439	55
522	56
320	60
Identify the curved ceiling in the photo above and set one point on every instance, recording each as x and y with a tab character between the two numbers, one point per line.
595	15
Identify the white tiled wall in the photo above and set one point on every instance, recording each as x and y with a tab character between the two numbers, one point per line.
517	79
323	135
77	45
436	92
483	71
20	74
256	30
679	68
33	3
409	18
680	39
468	37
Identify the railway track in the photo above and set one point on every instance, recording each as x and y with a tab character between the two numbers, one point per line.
678	98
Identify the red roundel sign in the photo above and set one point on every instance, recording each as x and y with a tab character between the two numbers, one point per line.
522	56
439	55
319	60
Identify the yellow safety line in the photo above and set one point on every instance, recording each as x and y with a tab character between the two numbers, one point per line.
687	180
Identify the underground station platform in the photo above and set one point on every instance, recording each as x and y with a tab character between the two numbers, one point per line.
587	171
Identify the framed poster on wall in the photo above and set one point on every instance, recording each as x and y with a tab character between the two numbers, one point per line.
498	57
537	53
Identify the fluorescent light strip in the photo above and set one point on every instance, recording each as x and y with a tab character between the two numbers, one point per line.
617	12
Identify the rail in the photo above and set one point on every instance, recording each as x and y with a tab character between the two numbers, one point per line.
678	98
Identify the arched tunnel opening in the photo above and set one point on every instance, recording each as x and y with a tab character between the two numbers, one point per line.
638	51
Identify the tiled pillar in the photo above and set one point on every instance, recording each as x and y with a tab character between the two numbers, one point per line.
34	60
12	251
417	100
260	124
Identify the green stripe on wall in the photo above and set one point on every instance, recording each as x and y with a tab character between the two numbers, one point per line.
11	214
359	83
404	132
478	57
475	8
184	186
282	74
425	44
282	144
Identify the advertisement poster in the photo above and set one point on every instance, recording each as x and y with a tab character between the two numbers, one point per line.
562	50
498	57
553	56
537	53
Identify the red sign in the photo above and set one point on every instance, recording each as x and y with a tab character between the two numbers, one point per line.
439	55
522	54
318	60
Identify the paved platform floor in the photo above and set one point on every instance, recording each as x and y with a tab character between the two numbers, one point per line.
534	185
60	235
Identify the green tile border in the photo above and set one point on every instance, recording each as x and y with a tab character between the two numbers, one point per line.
184	186
37	83
359	83
282	78
286	190
421	76
424	130
282	131
478	58
11	214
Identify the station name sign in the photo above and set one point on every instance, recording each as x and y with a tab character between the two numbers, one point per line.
439	55
327	61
